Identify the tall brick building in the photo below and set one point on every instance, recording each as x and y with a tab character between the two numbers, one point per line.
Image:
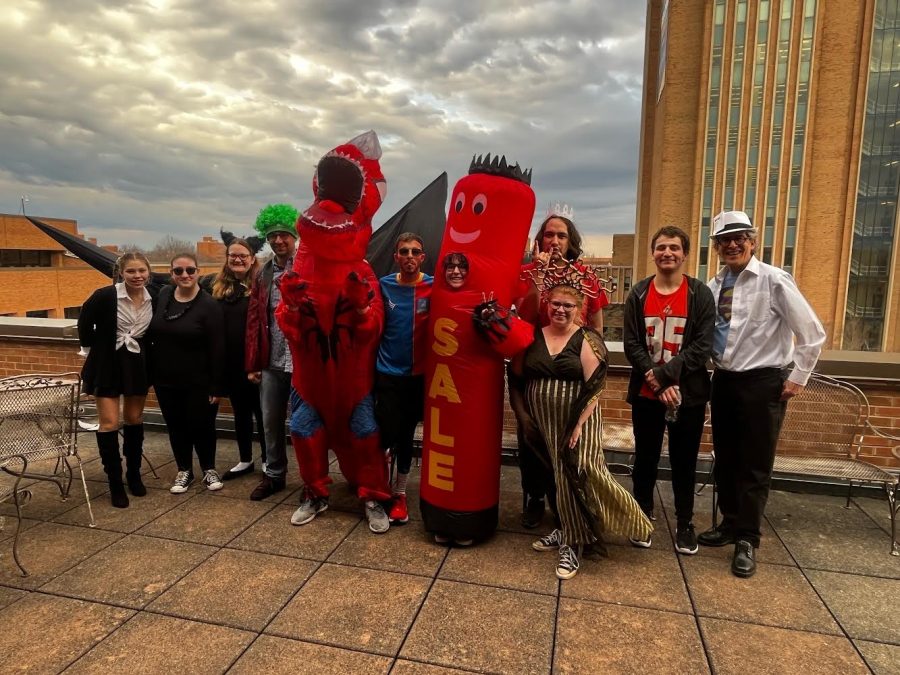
788	110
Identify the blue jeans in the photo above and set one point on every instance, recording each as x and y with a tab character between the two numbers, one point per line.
274	394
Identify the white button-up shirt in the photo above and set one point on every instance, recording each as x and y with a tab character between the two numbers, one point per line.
132	319
772	324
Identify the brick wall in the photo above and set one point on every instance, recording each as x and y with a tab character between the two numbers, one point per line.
20	356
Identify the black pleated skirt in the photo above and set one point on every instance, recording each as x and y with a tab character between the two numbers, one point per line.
125	374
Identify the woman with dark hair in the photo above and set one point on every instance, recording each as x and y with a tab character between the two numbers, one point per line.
111	330
231	288
187	358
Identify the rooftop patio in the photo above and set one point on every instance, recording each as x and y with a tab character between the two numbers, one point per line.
212	582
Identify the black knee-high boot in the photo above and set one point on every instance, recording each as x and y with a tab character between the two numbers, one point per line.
108	444
133	449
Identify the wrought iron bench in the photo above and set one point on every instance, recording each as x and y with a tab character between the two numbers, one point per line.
38	424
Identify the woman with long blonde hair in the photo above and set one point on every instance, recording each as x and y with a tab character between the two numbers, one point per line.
111	330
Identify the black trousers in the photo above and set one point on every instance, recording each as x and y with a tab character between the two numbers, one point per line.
399	407
244	397
648	418
747	412
191	422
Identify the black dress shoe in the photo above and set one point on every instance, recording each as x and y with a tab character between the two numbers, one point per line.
231	474
266	488
743	564
533	512
717	536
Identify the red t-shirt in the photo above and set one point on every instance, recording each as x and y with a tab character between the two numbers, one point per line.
590	308
664	319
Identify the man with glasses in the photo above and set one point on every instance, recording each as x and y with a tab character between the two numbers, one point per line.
268	357
400	363
766	342
669	319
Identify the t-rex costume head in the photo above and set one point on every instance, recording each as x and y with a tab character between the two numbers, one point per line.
349	187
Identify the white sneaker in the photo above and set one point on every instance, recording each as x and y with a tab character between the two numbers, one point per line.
379	522
183	480
211	480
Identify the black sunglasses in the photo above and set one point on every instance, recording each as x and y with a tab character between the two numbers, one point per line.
178	271
407	251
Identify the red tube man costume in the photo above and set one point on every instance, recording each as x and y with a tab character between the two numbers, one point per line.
331	314
481	253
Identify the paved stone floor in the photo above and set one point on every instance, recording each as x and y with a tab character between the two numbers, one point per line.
211	582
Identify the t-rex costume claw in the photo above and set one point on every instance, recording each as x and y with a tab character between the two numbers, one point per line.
331	314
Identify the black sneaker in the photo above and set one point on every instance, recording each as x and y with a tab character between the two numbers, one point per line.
686	540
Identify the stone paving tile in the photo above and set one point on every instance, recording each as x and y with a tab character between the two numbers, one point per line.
631	576
882	659
51	632
8	525
10	595
206	520
833	548
776	596
865	606
404	548
241	589
152	643
362	609
273	533
46	502
595	638
792	510
877	510
739	647
131	572
483	629
49	549
404	667
506	560
279	656
140	511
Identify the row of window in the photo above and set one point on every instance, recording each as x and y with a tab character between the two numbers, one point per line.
18	258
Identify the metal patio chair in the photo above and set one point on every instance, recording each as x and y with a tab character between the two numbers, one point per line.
38	430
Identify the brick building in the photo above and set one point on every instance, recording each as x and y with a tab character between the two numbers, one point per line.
38	278
788	110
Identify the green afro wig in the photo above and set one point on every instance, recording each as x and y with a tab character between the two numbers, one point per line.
277	218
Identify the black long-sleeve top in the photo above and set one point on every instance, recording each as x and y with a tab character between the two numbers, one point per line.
188	351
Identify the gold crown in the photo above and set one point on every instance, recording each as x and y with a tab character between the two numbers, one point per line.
558	271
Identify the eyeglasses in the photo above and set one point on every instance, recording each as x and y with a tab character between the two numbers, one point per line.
456	266
567	306
279	235
238	256
732	239
409	251
178	271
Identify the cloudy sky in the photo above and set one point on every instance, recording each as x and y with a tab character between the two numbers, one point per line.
156	117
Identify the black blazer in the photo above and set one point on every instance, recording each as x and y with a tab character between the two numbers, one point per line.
97	330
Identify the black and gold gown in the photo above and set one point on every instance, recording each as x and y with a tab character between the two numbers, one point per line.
590	501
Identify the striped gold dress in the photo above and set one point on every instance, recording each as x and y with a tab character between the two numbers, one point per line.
589	500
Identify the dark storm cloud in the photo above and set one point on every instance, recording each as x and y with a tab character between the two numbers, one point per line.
180	116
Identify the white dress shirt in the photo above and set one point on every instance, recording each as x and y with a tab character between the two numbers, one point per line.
772	324
132	319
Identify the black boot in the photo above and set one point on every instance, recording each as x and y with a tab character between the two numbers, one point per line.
133	449
108	444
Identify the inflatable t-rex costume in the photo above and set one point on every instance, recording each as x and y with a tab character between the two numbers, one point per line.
331	314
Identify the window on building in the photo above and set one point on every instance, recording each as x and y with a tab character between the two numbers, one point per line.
38	313
72	312
17	258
